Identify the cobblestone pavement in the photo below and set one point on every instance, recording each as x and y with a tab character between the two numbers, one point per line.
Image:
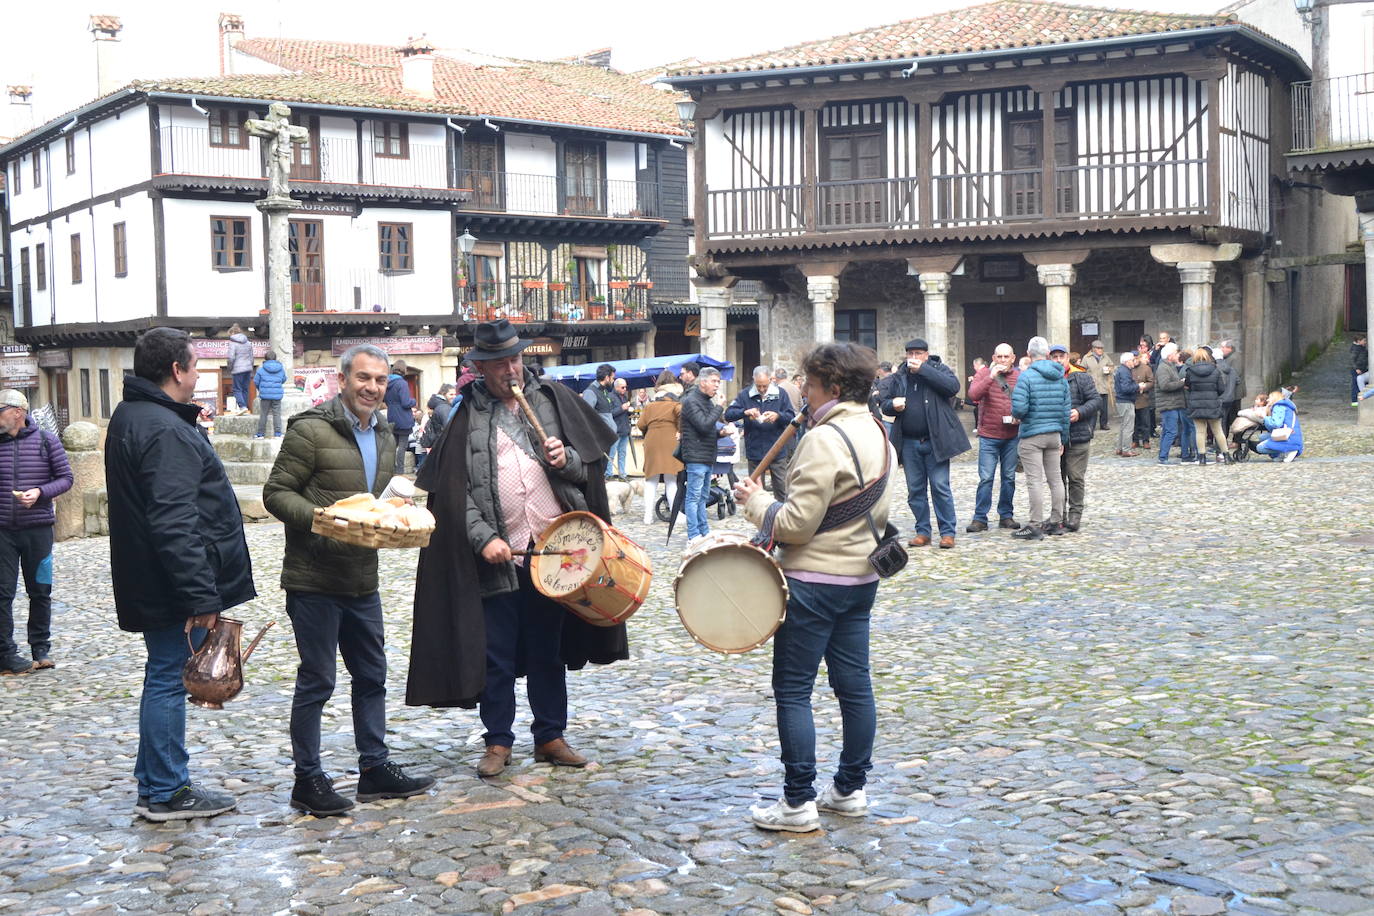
1166	713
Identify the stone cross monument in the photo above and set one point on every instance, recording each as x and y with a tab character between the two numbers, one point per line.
279	135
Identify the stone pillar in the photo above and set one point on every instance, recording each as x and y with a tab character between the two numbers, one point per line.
823	291
1252	325
82	443
935	293
714	298
1197	278
1366	412
1057	280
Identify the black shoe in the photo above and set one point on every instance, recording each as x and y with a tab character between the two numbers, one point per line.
1071	526
141	806
1028	533
974	527
1011	523
315	795
389	781
15	664
1054	528
189	802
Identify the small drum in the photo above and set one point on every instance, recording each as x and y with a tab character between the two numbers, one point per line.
599	574
730	595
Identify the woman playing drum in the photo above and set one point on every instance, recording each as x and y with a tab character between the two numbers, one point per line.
831	584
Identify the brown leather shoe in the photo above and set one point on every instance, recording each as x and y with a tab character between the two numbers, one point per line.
946	542
920	540
558	753
493	761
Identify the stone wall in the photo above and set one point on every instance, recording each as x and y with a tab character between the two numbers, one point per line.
81	511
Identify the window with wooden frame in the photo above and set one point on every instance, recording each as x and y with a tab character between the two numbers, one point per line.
485	283
394	250
1024	141
858	326
40	257
16	176
85	392
586	279
38	168
71	154
121	251
391	139
105	393
853	165
584	178
231	243
226	128
25	299
76	258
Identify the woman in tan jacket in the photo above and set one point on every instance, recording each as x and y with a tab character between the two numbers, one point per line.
659	423
831	586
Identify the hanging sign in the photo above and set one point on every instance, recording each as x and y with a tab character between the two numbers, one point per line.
392	346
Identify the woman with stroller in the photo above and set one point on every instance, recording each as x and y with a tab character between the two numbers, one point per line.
1203	383
1282	439
659	423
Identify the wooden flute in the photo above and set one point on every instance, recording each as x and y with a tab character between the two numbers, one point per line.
529	412
787	436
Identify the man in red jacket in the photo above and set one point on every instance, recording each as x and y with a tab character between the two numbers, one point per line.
997	432
33	471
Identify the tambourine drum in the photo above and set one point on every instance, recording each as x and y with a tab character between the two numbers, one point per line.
603	577
730	595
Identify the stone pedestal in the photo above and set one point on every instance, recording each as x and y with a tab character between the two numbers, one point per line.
935	294
1197	278
1367	233
823	291
714	300
1252	318
1057	279
82	444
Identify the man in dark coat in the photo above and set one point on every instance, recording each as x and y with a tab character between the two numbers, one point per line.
34	468
178	557
927	434
479	623
1085	403
701	430
332	451
400	411
765	410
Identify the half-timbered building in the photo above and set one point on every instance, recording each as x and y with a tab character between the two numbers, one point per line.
995	172
436	191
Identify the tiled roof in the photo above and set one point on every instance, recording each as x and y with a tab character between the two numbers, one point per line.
998	25
362	74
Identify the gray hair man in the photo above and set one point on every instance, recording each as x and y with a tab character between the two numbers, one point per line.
1126	389
1041	402
765	412
335	450
1100	367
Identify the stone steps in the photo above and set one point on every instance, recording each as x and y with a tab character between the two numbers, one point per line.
244	473
239	448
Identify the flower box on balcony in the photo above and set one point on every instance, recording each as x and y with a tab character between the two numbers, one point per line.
598	312
557	287
533	284
618	284
643	284
462	282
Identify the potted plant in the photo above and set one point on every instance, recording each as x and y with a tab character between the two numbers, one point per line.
643	284
557	286
618	284
298	307
532	284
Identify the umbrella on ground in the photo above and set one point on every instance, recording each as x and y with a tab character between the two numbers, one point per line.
678	499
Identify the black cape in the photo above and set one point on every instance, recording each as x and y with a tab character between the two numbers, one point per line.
448	648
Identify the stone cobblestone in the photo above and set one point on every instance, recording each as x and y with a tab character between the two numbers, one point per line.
1168	713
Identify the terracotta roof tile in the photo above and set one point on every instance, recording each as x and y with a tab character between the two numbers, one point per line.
998	25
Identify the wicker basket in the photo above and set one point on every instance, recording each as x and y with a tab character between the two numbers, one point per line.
366	534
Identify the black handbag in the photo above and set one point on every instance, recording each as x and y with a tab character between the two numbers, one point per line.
890	556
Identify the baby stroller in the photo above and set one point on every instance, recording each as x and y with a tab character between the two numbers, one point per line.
722	496
1245	433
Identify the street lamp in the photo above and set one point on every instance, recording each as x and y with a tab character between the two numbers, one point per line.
687	113
1304	8
466	243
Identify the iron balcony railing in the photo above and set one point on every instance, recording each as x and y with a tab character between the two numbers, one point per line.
552	195
1335	113
529	301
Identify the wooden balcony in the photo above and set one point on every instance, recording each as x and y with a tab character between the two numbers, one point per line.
550	195
1333	114
538	301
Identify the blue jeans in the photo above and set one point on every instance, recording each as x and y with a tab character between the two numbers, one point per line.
617	455
161	767
241	389
923	470
830	622
1171	425
524	634
991	454
694	502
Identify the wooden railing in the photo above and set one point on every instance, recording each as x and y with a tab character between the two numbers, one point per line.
529	301
868	204
1141	188
745	212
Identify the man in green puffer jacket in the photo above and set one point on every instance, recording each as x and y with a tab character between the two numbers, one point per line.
331	451
1040	401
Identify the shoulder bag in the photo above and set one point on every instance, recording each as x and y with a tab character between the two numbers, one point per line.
890	556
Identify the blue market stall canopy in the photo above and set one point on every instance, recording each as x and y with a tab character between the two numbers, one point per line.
637	373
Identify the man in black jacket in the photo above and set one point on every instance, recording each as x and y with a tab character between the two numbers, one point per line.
765	410
700	426
1085	403
927	434
178	557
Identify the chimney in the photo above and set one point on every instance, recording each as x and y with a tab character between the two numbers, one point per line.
21	110
230	31
108	73
417	67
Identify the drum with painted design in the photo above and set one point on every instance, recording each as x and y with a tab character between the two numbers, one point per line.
596	572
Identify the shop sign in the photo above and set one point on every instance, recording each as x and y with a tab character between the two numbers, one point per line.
18	371
16	350
578	342
691	326
307	206
544	346
218	347
318	383
54	359
392	346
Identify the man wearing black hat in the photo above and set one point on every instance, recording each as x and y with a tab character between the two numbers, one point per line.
494	487
927	433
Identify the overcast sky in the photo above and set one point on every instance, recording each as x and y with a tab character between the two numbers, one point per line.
49	48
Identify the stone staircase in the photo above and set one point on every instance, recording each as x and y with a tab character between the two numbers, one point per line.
247	461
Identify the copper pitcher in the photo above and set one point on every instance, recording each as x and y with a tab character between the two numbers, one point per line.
213	675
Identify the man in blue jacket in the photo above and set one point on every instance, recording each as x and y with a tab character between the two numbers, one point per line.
927	433
1040	401
1126	389
400	411
766	410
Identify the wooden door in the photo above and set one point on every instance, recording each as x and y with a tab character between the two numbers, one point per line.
583	177
986	326
305	157
856	158
1126	336
481	171
306	245
1024	141
57	396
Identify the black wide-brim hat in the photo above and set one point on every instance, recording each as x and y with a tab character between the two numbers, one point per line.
496	340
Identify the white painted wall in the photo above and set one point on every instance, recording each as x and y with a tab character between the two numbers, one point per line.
194	287
530	155
1279	20
121	146
1351	43
426	166
426	291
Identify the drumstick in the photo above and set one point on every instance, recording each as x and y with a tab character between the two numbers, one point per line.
787	436
549	552
529	412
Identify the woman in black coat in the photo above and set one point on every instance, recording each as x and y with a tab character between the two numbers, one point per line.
1203	383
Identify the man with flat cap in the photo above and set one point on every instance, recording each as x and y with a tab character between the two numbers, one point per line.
494	488
927	433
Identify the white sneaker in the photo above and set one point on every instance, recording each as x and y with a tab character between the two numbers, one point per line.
782	816
1290	457
855	804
